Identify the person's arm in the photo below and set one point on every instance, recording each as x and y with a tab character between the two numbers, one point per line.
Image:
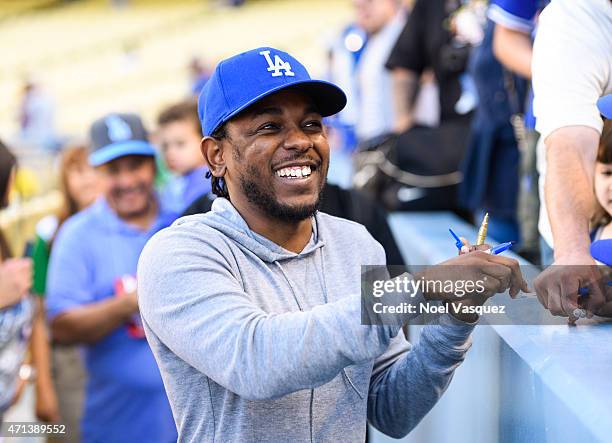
407	382
47	408
514	23
407	60
92	322
570	72
74	314
570	154
405	86
513	49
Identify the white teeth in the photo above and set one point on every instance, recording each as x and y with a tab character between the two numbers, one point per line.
295	171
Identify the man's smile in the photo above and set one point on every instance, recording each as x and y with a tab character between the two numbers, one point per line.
298	172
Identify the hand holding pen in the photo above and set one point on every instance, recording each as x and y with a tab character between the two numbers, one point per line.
463	245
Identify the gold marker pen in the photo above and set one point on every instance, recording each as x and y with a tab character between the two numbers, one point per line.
482	232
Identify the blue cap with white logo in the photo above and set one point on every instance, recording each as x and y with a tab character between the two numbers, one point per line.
118	135
605	106
240	81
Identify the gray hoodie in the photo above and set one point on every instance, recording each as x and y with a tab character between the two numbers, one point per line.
257	343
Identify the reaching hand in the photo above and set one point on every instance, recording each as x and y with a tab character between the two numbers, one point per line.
557	287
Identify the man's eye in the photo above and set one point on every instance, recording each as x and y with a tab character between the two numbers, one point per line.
607	173
268	127
313	124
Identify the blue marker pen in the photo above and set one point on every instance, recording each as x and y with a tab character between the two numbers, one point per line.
458	242
495	250
583	292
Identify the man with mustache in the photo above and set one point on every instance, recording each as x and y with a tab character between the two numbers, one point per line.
92	297
253	309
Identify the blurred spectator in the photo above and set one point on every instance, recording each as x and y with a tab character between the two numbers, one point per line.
79	186
346	203
382	20
91	292
491	166
428	41
37	118
512	44
418	167
357	63
16	307
179	135
199	74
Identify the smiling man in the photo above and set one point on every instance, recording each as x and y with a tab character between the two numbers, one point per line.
91	295
253	309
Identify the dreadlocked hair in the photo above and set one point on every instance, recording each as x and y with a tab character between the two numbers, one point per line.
218	185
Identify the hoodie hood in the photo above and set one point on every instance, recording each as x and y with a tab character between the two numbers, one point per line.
226	219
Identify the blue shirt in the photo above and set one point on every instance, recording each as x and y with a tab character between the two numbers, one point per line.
125	398
518	15
183	190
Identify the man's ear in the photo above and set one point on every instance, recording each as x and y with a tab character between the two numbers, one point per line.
212	151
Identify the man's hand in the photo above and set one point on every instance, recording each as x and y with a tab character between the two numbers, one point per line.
495	274
557	287
15	280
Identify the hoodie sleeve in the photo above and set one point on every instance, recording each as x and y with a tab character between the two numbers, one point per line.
191	300
408	381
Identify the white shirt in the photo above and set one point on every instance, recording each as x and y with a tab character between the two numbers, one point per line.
375	89
572	69
375	111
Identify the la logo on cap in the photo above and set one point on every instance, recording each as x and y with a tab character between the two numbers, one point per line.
278	65
118	129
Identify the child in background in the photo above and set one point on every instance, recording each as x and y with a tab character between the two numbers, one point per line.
179	137
602	220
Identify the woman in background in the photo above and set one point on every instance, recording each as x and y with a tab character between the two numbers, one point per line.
16	306
79	187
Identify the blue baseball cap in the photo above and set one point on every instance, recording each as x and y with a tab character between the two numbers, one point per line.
605	106
242	80
118	135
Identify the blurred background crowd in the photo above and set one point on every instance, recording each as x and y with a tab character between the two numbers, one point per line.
439	117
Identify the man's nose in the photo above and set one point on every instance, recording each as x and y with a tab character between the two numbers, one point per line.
125	179
297	139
